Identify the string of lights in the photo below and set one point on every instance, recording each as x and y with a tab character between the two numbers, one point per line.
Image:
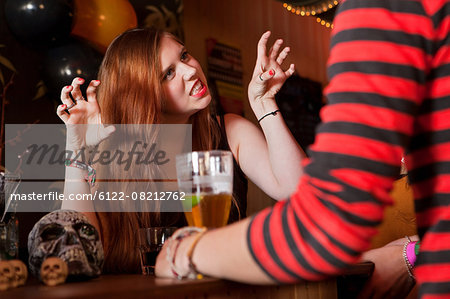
323	10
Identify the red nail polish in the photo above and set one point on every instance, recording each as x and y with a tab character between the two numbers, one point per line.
271	72
64	106
68	86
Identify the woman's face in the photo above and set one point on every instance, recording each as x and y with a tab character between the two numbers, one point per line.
184	83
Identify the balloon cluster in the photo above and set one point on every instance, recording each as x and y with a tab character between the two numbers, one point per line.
73	34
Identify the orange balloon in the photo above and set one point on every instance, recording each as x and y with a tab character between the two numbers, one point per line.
100	21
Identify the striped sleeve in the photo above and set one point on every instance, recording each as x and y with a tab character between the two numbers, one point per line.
430	163
382	67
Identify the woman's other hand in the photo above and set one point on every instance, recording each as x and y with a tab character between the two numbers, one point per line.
268	76
390	278
82	116
162	266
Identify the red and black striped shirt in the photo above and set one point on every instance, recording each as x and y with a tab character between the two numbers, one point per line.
388	97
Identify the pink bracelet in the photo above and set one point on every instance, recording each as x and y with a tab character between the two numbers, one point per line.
408	265
410	253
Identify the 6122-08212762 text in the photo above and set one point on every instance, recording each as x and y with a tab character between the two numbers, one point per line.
54	195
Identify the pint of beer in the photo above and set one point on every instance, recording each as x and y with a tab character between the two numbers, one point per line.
207	180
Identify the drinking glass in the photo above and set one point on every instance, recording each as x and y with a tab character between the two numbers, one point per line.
9	224
206	178
150	242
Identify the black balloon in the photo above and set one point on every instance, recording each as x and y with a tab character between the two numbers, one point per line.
65	62
39	22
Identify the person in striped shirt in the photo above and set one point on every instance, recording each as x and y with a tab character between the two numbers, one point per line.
388	96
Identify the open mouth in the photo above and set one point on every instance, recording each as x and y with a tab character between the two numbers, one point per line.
198	90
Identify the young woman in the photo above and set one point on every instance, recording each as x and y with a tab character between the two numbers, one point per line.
148	77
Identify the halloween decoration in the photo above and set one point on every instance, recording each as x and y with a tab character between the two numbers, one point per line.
39	22
326	18
6	275
64	62
68	235
54	271
99	22
322	10
20	272
309	7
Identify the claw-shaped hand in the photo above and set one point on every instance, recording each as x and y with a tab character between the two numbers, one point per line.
83	119
268	76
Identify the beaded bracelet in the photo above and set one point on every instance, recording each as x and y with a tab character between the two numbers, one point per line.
409	267
190	253
90	177
171	255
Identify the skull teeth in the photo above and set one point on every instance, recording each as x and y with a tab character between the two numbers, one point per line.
74	254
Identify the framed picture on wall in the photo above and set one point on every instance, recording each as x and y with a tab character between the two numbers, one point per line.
225	76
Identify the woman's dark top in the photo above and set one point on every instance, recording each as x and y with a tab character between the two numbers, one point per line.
240	183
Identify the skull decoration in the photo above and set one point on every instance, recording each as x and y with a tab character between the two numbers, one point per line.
20	272
6	275
68	235
54	271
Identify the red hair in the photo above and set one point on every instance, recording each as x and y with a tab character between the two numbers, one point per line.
131	93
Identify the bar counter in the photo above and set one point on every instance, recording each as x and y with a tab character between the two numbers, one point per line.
140	286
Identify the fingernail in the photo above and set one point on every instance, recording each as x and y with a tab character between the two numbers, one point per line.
80	80
97	81
68	87
271	72
63	106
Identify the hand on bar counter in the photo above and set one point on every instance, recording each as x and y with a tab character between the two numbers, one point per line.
390	278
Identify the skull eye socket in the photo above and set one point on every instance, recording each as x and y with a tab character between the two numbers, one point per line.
52	232
87	231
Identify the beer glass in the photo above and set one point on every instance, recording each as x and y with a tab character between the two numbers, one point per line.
206	179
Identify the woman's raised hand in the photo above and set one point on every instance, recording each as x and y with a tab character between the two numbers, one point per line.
82	116
268	76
